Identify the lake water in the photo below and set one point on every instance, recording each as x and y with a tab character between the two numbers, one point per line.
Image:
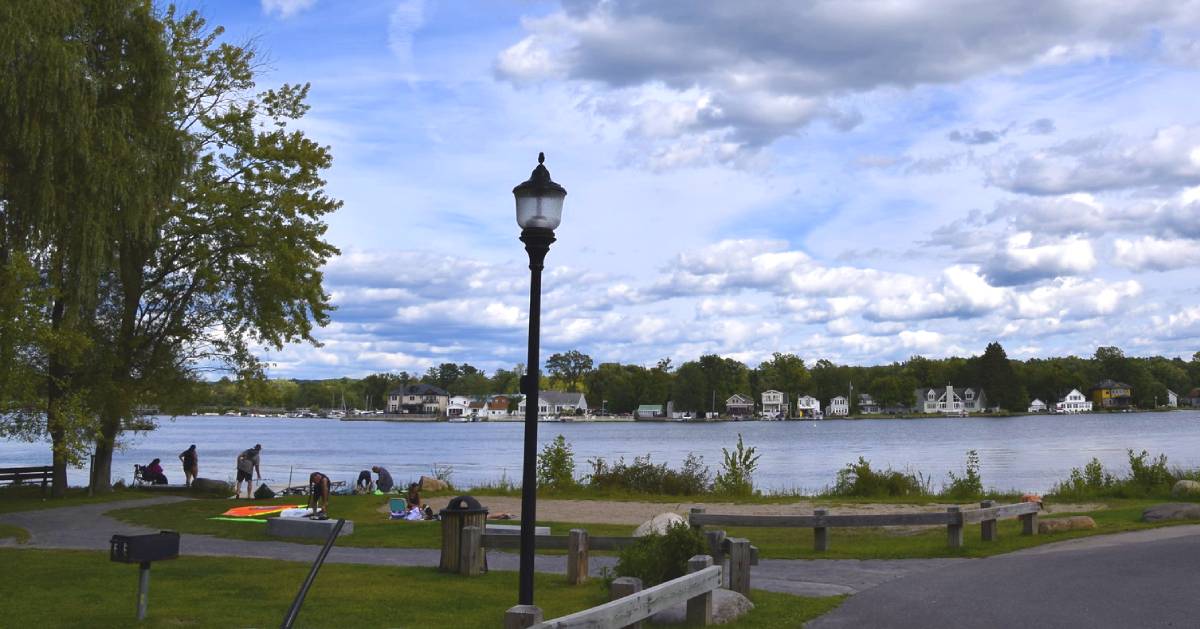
1026	453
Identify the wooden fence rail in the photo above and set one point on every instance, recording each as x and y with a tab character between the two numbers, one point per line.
820	521
634	604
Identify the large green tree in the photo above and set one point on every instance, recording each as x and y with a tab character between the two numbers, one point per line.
569	368
999	380
231	261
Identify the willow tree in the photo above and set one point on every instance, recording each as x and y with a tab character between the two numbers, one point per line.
86	149
233	261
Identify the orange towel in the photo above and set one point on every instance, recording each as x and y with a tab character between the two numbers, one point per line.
246	512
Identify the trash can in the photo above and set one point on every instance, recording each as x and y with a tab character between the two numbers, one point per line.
460	512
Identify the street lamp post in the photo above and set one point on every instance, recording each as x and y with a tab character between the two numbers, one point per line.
539	210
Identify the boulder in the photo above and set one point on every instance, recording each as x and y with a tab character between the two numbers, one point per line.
1172	511
727	607
211	486
1058	525
429	483
659	524
1185	488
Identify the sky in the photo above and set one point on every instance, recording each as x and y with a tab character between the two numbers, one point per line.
860	182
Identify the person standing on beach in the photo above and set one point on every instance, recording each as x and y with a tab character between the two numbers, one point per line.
191	465
247	468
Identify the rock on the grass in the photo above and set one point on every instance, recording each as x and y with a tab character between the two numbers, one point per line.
659	524
1185	488
211	486
1058	525
1172	511
432	484
728	606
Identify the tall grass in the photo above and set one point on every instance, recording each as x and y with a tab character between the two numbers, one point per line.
1149	477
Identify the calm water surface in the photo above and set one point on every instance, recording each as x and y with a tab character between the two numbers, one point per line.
1026	453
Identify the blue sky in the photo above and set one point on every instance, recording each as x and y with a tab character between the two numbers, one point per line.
854	182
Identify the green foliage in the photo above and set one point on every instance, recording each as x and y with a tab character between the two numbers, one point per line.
736	477
860	481
569	368
642	476
1149	474
556	465
1148	478
968	486
657	558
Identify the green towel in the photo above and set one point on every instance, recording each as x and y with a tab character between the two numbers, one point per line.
224	519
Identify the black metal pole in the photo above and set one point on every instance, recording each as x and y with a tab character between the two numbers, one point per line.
294	610
537	243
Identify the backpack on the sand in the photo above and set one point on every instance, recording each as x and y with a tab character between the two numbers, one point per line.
263	492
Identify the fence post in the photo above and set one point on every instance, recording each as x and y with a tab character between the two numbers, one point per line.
739	565
820	533
469	561
699	608
987	528
622	587
695	511
522	616
954	530
577	557
716	548
1029	523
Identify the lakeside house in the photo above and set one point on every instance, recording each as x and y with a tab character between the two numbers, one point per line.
459	406
838	407
552	403
739	405
1192	398
649	411
418	399
808	406
774	404
1037	406
1109	395
951	400
1073	402
1172	399
867	404
496	407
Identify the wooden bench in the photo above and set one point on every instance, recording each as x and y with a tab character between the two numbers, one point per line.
22	475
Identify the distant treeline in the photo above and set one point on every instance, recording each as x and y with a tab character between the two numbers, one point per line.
704	384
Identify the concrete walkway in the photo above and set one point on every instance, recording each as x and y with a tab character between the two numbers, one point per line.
86	527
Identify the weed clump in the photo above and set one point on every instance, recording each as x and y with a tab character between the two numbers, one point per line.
859	480
657	558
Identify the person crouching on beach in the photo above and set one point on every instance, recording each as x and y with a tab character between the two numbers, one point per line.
318	493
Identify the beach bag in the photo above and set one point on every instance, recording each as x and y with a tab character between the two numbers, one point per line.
263	492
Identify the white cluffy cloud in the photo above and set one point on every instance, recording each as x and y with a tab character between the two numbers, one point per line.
1152	254
286	8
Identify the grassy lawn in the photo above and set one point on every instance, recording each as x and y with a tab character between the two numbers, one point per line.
8	531
879	543
29	498
225	592
372	529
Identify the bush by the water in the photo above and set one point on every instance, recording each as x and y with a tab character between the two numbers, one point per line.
642	476
736	477
968	486
861	481
556	465
1148	477
656	558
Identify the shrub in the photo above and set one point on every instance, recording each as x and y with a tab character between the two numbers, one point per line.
656	558
1090	481
642	476
736	477
443	473
556	465
1149	476
968	486
859	480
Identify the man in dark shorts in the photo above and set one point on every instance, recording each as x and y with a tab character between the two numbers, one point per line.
247	467
318	493
364	484
191	465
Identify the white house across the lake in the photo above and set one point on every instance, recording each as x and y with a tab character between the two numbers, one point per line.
951	400
838	407
1037	406
1073	402
774	404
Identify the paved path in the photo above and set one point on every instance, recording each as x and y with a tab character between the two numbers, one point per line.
1139	579
87	527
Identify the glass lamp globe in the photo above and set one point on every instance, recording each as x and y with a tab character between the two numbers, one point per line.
539	200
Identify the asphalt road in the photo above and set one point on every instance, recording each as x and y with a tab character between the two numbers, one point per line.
1134	580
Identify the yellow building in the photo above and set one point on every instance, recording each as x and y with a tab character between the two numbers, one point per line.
1109	394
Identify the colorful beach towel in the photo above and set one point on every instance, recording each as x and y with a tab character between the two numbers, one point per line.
258	510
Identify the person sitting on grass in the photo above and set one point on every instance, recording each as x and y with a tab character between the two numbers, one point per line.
385	483
318	493
154	473
364	484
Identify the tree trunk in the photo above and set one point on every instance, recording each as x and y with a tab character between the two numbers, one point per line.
55	421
